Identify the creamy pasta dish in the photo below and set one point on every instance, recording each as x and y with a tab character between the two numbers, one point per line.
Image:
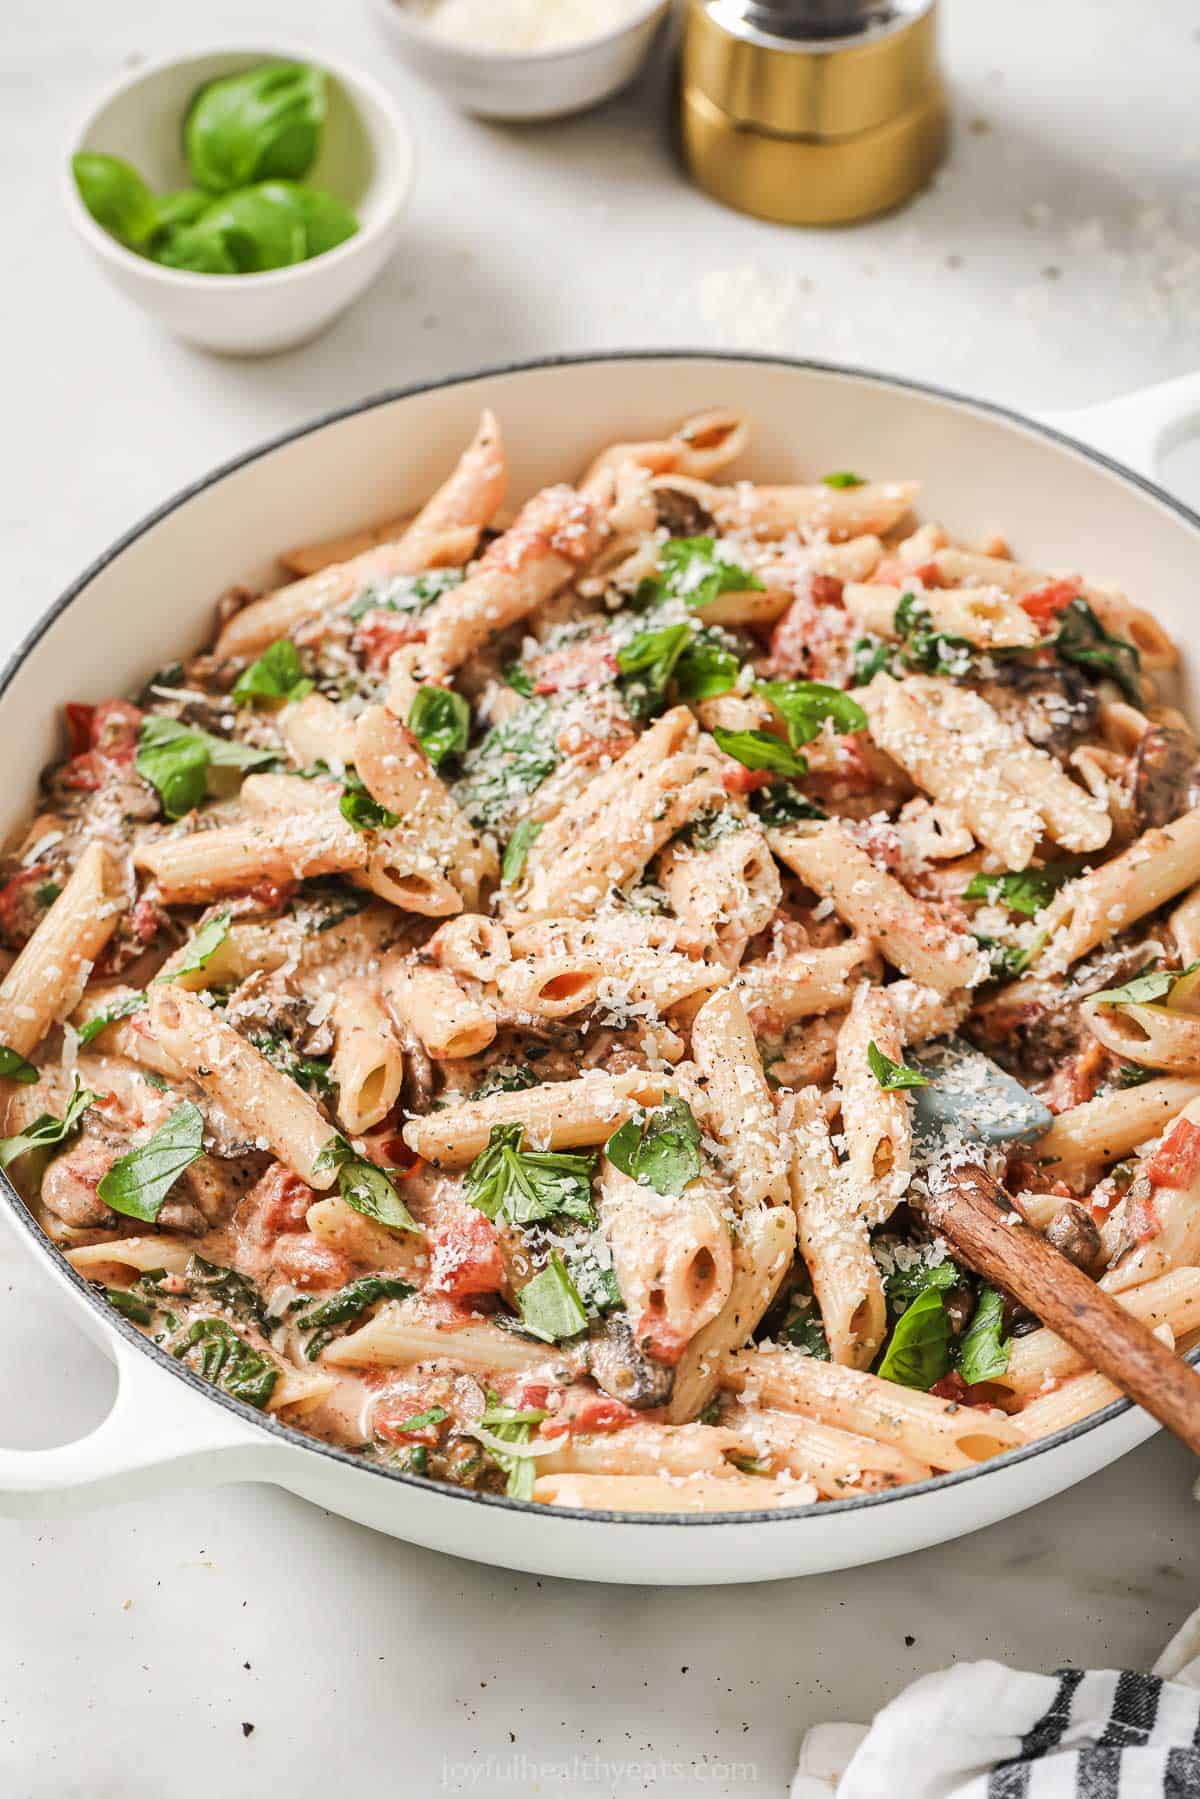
498	1006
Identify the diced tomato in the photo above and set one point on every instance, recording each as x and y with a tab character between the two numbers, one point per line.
115	728
1045	604
735	778
1075	1081
465	1256
892	572
79	726
305	1261
144	920
381	634
393	1411
587	664
954	1388
84	774
272	895
586	1413
275	1204
387	1149
659	1339
1176	1161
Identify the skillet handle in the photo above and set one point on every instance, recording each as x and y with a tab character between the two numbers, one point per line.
1138	429
159	1437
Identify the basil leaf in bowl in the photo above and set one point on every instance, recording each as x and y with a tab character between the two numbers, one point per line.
248	127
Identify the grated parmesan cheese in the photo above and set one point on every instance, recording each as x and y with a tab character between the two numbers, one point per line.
513	25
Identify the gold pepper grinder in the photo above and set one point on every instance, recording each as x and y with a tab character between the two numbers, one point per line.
812	112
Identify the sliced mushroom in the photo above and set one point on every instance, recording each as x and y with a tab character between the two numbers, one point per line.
1074	1234
1163	774
1053	708
681	514
620	1369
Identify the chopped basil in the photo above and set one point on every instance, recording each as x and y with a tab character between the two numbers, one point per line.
360	810
309	1072
517	850
175	759
345	1305
983	1351
214	1350
364	1187
926	648
15	1068
525	1186
437	1414
405	593
550	1307
201	949
1145	989
780	805
690	569
100	1021
893	1076
518	679
138	1184
659	1147
708	828
758	749
1083	641
1026	891
506	1077
871	656
320	905
1008	959
805	705
918	1352
46	1131
276	676
843	478
440	720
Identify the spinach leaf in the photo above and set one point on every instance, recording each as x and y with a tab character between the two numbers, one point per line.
1144	989
15	1068
200	951
550	1307
122	1300
805	705
1083	640
758	749
116	196
46	1131
659	1148
918	1352
440	720
843	478
902	1285
513	759
360	810
409	594
261	122
309	1072
804	1329
139	1183
228	1290
525	1186
506	1077
364	1187
276	676
346	1304
1025	892
214	1350
690	569
175	759
516	850
893	1076
983	1351
100	1021
926	648
780	805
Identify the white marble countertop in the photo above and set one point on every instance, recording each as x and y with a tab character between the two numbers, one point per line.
1056	261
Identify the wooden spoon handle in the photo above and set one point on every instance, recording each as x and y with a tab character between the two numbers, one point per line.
977	1217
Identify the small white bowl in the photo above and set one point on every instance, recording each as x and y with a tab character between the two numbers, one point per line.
524	84
366	160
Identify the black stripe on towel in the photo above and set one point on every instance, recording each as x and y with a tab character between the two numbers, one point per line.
1133	1711
1098	1774
1010	1779
1181	1777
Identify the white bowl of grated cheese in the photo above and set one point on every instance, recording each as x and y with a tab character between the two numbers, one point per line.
523	59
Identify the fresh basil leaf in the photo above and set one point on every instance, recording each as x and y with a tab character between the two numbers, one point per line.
597	1287
116	196
16	1068
779	805
327	221
983	1351
262	122
520	1469
201	948
517	849
193	248
705	668
758	749
690	569
214	1350
440	720
175	759
526	1186
550	1307
871	656
659	1147
805	705
507	1414
1083	641
360	810
347	1304
918	1352
1145	989
139	1183
277	676
902	1285
893	1076
122	1008
437	1414
843	478
1026	891
647	663
364	1187
46	1131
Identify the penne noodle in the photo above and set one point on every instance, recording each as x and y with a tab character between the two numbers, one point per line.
46	981
573	1114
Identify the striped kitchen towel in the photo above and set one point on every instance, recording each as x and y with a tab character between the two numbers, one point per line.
982	1731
